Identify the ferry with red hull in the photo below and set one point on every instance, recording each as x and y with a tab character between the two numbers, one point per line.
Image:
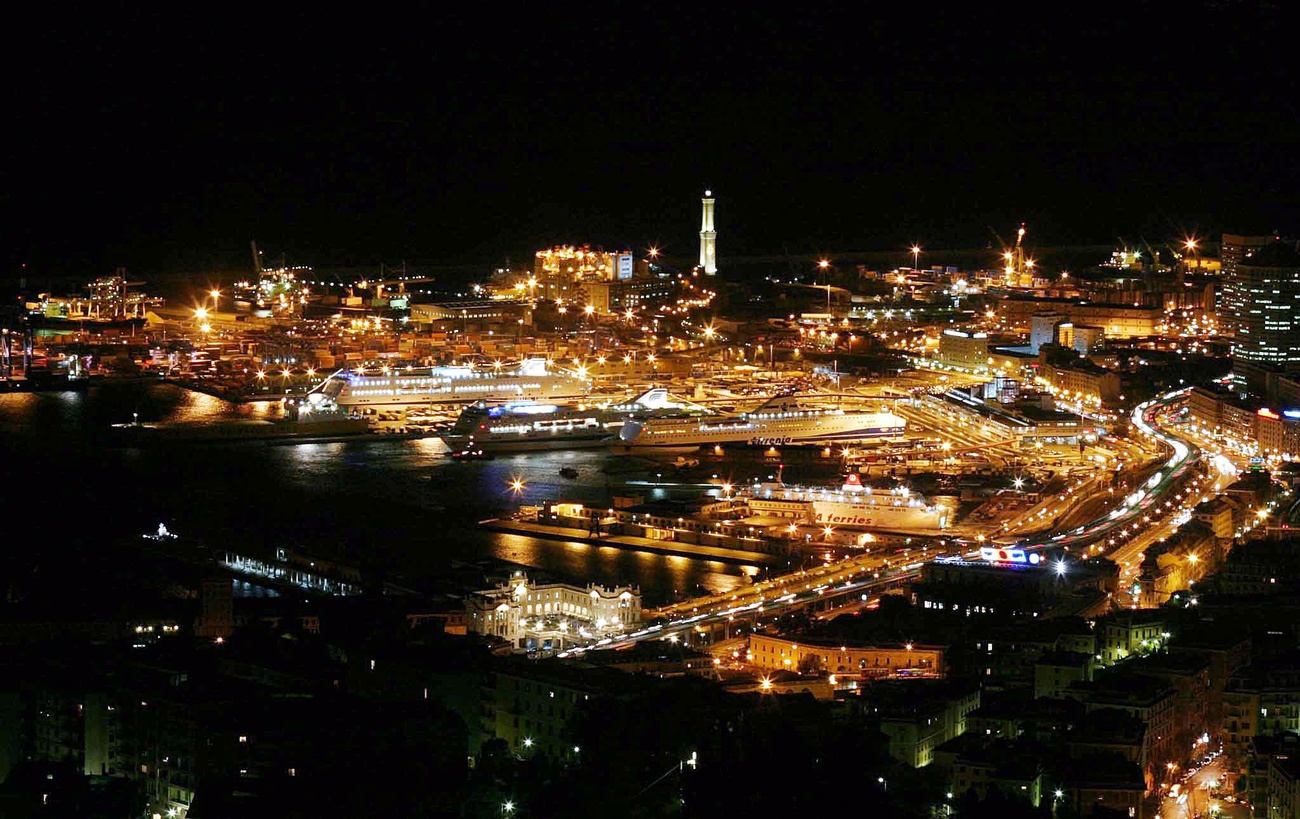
852	506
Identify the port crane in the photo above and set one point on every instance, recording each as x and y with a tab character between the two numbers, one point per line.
1016	264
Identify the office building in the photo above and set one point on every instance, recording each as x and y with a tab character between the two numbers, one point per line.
962	348
639	294
1267	322
1232	295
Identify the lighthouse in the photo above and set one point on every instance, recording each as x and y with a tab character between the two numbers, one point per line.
708	237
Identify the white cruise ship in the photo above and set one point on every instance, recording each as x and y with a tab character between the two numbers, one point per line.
778	422
531	380
524	426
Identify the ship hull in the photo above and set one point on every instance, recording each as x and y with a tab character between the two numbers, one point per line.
549	444
757	435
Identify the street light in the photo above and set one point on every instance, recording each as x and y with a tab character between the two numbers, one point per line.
825	265
916	256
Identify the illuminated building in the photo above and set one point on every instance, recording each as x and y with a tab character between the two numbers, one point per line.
1044	329
884	660
1149	699
708	237
961	348
1264	699
1239	420
562	272
1232	295
1009	582
476	314
1218	515
1116	320
1129	632
551	616
1082	381
1267	322
920	715
638	294
1056	670
1087	338
530	705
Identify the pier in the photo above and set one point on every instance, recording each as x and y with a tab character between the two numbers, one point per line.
634	543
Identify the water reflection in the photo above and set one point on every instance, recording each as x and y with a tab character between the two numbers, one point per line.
405	504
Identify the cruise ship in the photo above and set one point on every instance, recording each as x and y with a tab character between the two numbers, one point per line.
852	506
521	427
780	421
394	388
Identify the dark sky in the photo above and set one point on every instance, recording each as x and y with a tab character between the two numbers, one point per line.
465	135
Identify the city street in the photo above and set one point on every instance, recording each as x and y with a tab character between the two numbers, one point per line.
1197	796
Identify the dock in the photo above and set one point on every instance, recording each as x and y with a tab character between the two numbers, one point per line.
633	543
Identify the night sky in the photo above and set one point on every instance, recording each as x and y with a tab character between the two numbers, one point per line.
466	135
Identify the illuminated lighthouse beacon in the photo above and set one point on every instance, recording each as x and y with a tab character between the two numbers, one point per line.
708	238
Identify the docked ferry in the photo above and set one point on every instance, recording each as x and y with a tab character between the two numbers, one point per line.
780	421
521	427
393	388
852	506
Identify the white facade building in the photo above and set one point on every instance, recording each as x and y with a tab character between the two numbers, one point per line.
551	616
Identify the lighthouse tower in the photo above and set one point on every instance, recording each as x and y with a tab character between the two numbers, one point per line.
708	238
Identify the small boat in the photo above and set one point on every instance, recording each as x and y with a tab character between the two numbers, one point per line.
568	472
472	455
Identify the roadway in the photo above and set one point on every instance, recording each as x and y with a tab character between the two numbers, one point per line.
1197	795
867	575
1144	500
798	590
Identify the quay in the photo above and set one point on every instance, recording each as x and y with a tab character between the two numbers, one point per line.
632	542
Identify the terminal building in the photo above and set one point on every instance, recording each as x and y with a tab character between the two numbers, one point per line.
473	314
551	617
1031	425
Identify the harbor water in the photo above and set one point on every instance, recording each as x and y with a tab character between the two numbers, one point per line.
402	505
